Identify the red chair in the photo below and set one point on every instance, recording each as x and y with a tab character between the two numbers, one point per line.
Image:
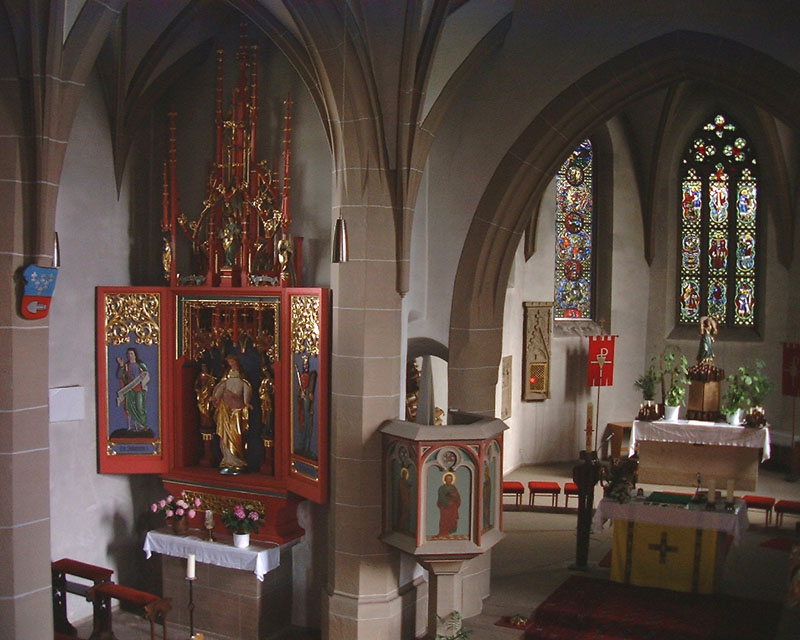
512	488
761	502
552	489
570	489
792	507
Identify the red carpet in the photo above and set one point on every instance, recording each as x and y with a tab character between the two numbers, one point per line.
781	543
591	609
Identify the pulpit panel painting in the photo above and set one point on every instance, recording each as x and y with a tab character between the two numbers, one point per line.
448	477
491	473
130	352
404	496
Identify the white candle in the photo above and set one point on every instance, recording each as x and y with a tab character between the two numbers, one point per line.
209	519
712	491
190	566
731	485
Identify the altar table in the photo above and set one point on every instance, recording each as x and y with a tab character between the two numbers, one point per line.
258	557
675	452
670	546
240	593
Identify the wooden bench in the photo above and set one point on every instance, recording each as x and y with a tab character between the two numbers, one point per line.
760	502
59	570
155	609
792	507
552	489
513	488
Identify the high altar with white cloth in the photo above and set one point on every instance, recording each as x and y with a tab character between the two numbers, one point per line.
675	452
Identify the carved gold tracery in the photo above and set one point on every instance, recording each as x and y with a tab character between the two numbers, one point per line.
218	504
305	325
234	325
132	312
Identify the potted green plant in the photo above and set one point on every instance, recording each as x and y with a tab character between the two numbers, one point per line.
646	383
673	368
758	388
747	389
735	399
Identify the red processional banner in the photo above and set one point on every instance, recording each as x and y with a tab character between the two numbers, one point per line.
601	361
791	369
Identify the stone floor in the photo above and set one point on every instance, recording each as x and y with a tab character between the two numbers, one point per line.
536	554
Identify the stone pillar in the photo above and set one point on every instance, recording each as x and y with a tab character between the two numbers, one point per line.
444	591
364	599
25	590
41	90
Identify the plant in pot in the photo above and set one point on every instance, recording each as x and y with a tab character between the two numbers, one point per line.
673	368
735	399
759	386
242	520
646	383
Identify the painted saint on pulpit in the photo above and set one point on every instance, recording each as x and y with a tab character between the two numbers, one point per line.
448	501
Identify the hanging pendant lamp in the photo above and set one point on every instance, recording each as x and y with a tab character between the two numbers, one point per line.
339	251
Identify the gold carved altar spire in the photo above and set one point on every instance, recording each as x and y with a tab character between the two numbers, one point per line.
240	237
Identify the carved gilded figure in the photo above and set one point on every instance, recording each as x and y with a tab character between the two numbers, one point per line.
285	250
306	388
229	234
204	388
265	393
232	400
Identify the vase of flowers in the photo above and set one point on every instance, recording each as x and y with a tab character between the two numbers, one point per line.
242	520
177	511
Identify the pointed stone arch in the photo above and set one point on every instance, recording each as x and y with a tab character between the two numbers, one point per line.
523	174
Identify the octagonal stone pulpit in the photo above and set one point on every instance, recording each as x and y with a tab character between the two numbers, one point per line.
442	498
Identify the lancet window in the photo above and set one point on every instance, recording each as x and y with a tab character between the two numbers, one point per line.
718	230
575	235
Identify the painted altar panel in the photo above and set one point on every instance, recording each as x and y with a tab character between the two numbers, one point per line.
308	321
537	335
165	358
132	379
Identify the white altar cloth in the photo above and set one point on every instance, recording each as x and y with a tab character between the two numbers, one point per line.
259	558
732	523
698	432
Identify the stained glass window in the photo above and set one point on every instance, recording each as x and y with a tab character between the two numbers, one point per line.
718	226
574	235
